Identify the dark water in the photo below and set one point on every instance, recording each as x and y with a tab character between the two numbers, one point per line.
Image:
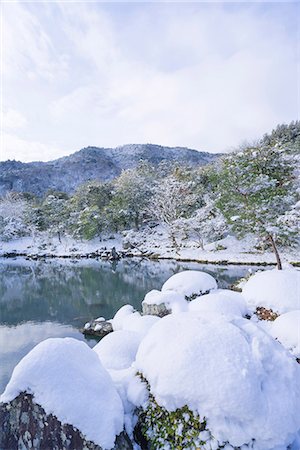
54	298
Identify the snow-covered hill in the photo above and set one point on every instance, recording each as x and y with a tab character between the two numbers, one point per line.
90	163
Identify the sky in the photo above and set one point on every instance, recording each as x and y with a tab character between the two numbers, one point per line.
204	75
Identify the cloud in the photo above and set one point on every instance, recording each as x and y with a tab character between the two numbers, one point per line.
14	147
200	75
13	119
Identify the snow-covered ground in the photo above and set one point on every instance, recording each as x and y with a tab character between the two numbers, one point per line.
238	378
153	243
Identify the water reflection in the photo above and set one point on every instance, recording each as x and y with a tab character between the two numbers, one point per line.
54	298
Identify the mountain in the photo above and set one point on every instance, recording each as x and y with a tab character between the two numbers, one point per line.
90	163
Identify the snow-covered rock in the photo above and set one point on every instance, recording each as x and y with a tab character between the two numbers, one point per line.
117	350
190	283
162	303
286	328
278	290
220	302
232	373
68	380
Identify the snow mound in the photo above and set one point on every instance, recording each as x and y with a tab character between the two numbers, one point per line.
286	328
139	324
117	350
67	379
126	318
172	300
220	303
123	312
274	289
233	373
190	283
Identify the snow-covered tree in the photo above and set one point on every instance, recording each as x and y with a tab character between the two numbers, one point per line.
130	196
207	224
87	209
13	210
54	213
172	199
255	187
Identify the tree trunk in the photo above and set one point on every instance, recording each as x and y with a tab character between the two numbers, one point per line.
278	260
136	221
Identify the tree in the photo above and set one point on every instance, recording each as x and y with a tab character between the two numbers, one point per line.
87	209
207	224
256	187
130	196
172	199
13	209
54	213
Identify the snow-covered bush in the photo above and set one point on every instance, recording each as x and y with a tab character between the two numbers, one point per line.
238	380
126	318
68	380
180	429
190	283
220	302
117	350
275	290
286	329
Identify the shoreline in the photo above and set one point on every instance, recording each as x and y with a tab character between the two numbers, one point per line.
124	255
228	251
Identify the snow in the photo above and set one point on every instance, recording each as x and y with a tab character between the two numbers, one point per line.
190	282
137	392
155	241
220	302
67	379
172	300
126	318
123	312
278	290
139	324
232	372
286	328
117	350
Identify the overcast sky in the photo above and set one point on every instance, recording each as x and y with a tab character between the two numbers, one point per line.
201	75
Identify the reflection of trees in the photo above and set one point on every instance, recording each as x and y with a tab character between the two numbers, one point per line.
75	291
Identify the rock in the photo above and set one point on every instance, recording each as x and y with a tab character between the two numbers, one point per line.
155	310
97	328
114	254
160	303
25	424
266	314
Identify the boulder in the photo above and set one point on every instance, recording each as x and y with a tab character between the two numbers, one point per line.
25	424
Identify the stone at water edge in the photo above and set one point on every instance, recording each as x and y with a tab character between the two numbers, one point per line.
98	329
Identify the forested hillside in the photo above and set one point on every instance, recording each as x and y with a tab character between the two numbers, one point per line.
91	163
254	189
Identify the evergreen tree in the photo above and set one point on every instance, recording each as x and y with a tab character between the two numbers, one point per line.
255	187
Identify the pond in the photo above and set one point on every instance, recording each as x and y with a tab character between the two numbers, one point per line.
55	297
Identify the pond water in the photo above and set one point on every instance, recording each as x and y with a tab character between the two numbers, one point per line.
54	298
